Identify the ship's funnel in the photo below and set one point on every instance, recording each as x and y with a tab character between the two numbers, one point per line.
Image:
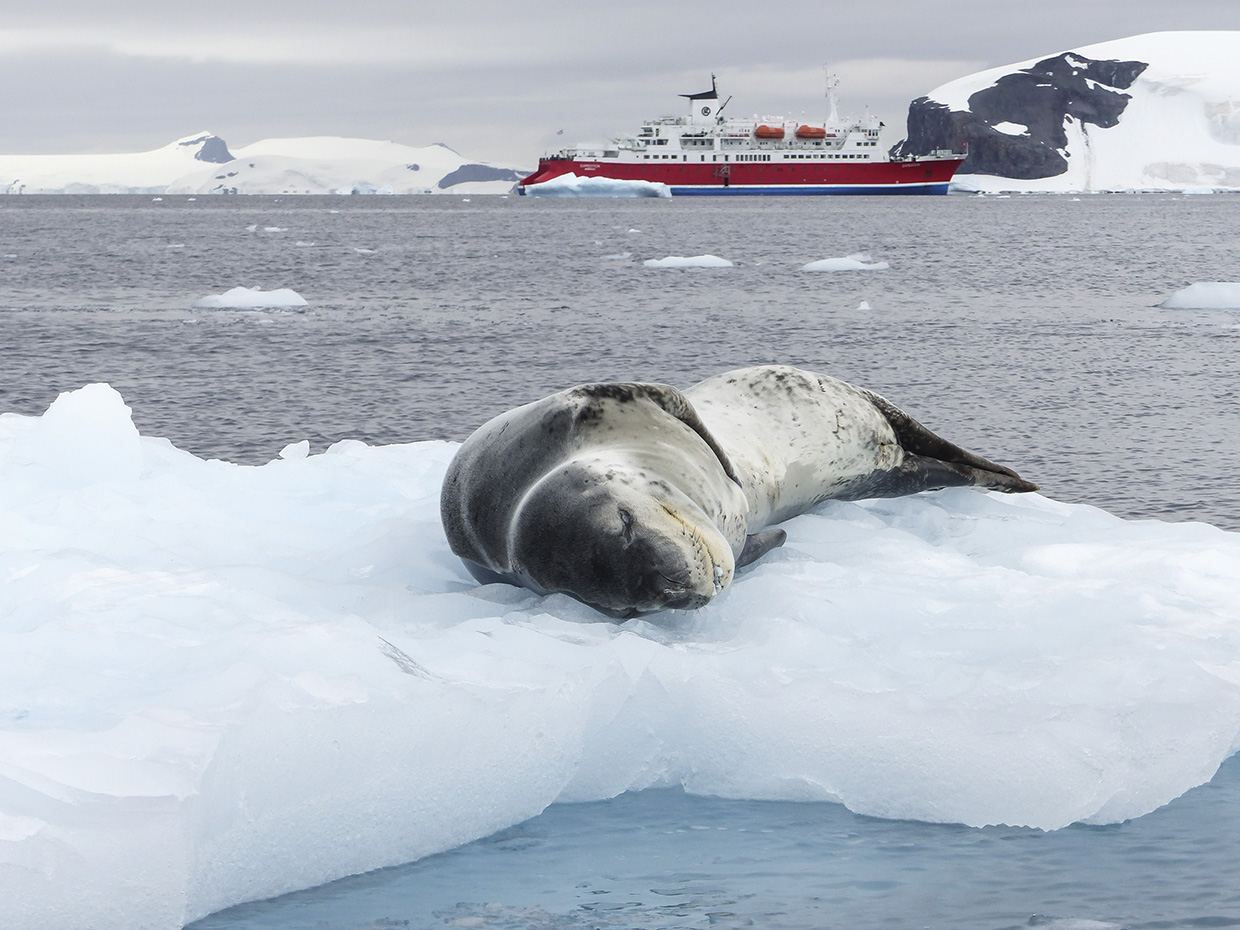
704	106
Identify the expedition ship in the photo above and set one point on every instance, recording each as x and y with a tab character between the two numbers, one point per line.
706	152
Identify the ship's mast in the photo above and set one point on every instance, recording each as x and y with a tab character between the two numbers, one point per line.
833	116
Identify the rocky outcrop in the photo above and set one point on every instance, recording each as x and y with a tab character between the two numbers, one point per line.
211	149
1015	128
479	173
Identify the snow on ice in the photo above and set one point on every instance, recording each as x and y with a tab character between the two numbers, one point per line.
690	261
252	298
858	261
571	185
1205	295
223	682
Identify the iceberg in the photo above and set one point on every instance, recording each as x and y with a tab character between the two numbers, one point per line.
571	185
690	261
252	298
221	682
1205	295
857	261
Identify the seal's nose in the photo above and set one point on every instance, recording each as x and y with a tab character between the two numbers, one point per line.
688	600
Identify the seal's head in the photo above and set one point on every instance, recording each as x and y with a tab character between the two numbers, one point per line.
620	540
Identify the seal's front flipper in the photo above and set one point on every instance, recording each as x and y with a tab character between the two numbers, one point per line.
759	544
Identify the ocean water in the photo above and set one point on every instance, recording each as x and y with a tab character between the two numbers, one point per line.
1025	328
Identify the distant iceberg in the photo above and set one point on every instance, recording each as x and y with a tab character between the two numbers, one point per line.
688	261
571	185
858	261
1205	295
220	682
252	298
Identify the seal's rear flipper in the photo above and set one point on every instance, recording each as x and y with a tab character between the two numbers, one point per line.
759	544
919	473
941	464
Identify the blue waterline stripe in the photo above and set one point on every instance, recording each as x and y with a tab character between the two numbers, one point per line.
739	190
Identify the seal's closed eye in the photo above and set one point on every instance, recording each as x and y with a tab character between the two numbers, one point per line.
626	520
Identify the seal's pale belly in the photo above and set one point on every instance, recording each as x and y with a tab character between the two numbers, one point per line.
796	438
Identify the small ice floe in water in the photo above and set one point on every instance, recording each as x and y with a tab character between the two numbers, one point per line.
618	257
251	298
156	199
570	185
1072	923
304	244
296	450
692	261
175	245
1205	295
864	305
364	251
857	261
275	229
252	228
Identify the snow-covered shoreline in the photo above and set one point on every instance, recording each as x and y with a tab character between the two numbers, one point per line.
1155	112
203	164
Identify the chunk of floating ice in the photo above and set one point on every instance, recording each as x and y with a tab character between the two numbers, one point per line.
252	298
692	261
864	305
1205	295
213	676
858	261
571	185
296	450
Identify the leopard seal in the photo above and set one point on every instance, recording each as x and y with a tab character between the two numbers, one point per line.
636	497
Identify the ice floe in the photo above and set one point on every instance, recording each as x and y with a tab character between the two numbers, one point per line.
1205	295
690	261
223	682
857	261
572	185
252	298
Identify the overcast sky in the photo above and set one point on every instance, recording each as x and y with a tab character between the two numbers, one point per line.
496	80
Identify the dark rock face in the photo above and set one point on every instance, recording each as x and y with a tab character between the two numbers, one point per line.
213	150
1040	98
478	173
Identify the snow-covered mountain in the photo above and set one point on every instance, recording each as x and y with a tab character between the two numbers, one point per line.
1152	112
203	164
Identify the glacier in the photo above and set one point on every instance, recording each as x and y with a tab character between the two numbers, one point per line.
222	682
203	164
1152	112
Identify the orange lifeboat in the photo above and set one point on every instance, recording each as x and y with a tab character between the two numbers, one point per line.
769	132
811	132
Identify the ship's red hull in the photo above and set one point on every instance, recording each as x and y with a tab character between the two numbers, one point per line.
924	176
